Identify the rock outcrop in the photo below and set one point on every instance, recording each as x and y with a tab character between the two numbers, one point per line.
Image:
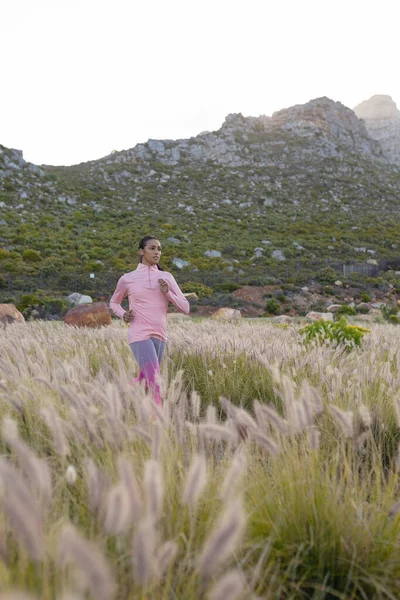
382	120
10	314
89	315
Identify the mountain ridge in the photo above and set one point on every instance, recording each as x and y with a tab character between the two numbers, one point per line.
307	184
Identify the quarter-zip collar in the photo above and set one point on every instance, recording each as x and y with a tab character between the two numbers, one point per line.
142	267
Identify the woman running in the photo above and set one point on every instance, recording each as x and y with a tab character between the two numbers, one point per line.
148	296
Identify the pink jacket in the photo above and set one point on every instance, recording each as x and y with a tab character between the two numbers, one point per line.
149	304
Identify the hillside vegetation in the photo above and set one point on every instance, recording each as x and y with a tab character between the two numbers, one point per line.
282	195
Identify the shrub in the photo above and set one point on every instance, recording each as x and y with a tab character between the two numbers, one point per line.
339	332
365	297
227	287
394	319
326	275
27	301
363	310
198	288
388	311
328	290
31	256
345	309
272	306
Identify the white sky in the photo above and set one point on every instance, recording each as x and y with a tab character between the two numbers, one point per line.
80	78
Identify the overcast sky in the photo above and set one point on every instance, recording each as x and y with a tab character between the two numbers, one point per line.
81	78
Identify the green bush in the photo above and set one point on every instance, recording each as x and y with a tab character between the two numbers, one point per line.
345	309
365	297
272	306
31	256
394	319
327	275
328	290
55	306
339	332
198	288
227	287
364	310
27	301
388	311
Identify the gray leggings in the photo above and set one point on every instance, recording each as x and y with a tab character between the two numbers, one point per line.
149	354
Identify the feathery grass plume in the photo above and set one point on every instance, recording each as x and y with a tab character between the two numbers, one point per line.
88	560
113	400
154	488
143	552
132	487
26	525
270	413
195	402
165	556
23	516
157	440
288	390
55	426
344	418
365	415
233	475
265	442
318	403
96	486
36	469
314	437
142	434
361	440
223	539
71	475
243	418
227	406
118	514
196	480
296	415
218	432
230	585
211	415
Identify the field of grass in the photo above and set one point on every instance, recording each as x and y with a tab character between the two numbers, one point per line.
270	472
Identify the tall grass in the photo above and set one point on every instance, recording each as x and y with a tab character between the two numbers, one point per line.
270	472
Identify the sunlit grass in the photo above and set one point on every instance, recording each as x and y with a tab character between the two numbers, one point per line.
304	441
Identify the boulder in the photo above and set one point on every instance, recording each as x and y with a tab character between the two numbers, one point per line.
10	314
363	307
96	314
191	296
318	316
227	314
282	319
77	299
334	308
338	283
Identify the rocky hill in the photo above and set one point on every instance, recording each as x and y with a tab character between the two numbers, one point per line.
382	120
280	194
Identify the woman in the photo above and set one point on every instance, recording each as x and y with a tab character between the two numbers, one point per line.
148	295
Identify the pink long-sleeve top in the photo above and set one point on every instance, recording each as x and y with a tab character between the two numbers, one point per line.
148	302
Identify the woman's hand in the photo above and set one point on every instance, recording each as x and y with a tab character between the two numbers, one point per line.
128	316
164	287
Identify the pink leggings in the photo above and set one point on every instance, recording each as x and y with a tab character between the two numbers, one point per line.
149	354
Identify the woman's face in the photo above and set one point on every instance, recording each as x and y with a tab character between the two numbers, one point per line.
151	253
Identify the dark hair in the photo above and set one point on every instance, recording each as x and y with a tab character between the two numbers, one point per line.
143	243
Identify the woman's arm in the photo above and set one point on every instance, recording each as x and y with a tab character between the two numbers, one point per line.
176	297
117	297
